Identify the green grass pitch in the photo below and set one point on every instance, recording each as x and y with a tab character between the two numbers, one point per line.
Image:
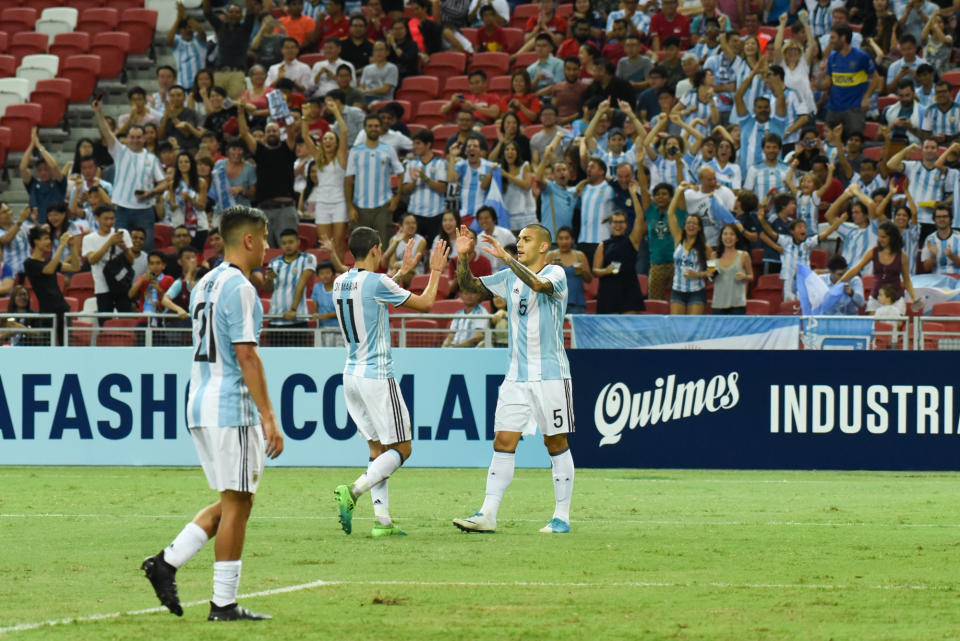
654	554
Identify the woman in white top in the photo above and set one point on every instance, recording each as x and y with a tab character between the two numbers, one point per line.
393	256
517	193
327	202
796	63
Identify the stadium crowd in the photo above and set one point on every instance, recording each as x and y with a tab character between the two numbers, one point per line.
686	155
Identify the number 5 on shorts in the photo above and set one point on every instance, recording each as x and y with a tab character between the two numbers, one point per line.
558	418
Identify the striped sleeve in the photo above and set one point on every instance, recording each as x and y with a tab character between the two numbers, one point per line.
558	278
239	311
389	292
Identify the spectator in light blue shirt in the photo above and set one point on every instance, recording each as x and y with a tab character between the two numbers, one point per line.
547	69
853	298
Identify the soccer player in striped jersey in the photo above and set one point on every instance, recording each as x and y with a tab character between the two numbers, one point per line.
373	397
537	390
229	415
287	278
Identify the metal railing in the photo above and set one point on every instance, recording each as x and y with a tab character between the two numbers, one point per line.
37	330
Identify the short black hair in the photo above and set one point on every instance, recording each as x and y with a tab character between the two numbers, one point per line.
285	84
660	186
136	91
546	38
370	117
325	264
425	136
217	89
134	230
362	240
490	210
36	233
188	248
164	145
237	217
59	206
843	31
477	72
168	68
908	37
542	231
395	107
156	253
289	39
102	209
837	261
289	231
337	94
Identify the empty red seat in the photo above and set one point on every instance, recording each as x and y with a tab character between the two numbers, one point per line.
499	85
17	19
98	20
112	47
757	307
52	95
514	39
522	13
308	236
27	43
10	4
8	66
70	44
82	5
657	306
525	59
445	64
419	88
40	5
4	41
162	235
21	119
122	5
83	71
428	113
454	85
494	63
140	24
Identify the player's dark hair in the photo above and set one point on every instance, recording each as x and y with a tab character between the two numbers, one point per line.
238	217
542	231
362	240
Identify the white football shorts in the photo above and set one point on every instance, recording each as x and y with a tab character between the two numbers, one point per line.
231	457
377	407
522	407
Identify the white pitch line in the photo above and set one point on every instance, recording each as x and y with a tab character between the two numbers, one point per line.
21	627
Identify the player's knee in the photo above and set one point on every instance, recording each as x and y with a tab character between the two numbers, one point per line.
506	441
556	443
405	449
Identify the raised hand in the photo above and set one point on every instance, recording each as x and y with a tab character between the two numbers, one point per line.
440	255
493	247
464	242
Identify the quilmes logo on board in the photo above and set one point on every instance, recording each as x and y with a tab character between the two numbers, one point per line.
617	407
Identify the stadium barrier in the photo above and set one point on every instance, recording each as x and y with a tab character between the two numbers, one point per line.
659	408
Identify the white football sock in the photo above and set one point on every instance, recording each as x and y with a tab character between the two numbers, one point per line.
562	483
190	540
498	479
380	495
381	468
226	582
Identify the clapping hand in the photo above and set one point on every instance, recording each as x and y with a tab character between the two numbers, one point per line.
439	255
464	242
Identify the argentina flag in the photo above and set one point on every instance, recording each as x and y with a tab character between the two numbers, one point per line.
495	199
815	296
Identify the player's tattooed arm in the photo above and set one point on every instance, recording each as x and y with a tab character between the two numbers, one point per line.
524	273
467	281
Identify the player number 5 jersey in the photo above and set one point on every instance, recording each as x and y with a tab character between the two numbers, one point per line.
536	324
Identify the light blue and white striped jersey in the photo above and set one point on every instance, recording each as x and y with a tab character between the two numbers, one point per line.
868	188
821	18
794	254
72	188
424	201
471	194
701	110
372	169
915	115
729	176
943	264
911	244
682	261
639	19
756	89
596	206
225	310
220	190
751	138
188	57
361	299
951	184
135	171
795	109
466	324
612	160
725	72
808	210
702	49
926	98
665	171
856	241
762	178
285	284
536	325
311	10
927	186
946	123
17	250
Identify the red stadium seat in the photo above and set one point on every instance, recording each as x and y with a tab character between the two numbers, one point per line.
952	77
565	10
8	66
40	5
140	24
644	282
769	288
871	131
308	236
818	259
52	95
454	85
758	307
444	64
374	107
83	72
82	5
442	132
10	4
311	59
790	308
449	306
949	308
522	13
419	88
874	153
430	336
112	47
514	39
5	136
98	20
490	132
499	85
162	235
123	5
657	306
27	43
885	101
494	63
70	44
419	283
4	41
81	286
270	254
470	34
21	119
428	113
524	60
17	19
